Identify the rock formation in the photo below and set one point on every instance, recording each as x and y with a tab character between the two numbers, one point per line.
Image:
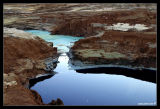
116	34
132	49
25	56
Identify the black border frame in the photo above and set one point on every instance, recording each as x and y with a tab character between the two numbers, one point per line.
80	1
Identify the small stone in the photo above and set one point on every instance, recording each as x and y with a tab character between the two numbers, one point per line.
53	102
59	101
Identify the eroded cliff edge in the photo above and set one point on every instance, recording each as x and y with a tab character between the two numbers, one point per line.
126	49
25	56
117	34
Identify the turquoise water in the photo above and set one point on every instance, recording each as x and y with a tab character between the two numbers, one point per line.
75	88
62	42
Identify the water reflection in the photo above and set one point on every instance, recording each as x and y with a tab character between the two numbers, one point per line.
33	81
93	89
144	74
88	88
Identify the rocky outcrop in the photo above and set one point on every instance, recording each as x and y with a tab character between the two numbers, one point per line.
19	49
85	26
76	19
25	56
132	49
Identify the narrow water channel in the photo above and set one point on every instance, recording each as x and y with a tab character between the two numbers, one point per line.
75	88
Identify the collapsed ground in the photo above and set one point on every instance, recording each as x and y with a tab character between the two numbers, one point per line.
113	36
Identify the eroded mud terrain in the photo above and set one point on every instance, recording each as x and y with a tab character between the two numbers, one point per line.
25	56
131	49
117	34
76	19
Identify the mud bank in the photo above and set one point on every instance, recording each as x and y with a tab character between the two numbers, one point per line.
76	19
106	41
121	34
118	48
94	24
25	56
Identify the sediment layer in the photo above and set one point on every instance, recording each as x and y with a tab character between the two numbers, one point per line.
25	56
76	19
116	34
118	48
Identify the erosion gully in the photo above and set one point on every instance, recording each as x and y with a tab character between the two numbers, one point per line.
85	87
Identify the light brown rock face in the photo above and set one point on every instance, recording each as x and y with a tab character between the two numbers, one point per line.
22	51
75	18
84	26
24	58
133	49
117	34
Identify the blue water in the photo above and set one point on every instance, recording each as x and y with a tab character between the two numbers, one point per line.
90	89
62	42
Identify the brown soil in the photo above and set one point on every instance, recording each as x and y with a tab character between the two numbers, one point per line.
125	48
18	48
20	59
70	19
82	26
134	45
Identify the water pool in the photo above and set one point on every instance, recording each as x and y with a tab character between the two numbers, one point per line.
75	88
